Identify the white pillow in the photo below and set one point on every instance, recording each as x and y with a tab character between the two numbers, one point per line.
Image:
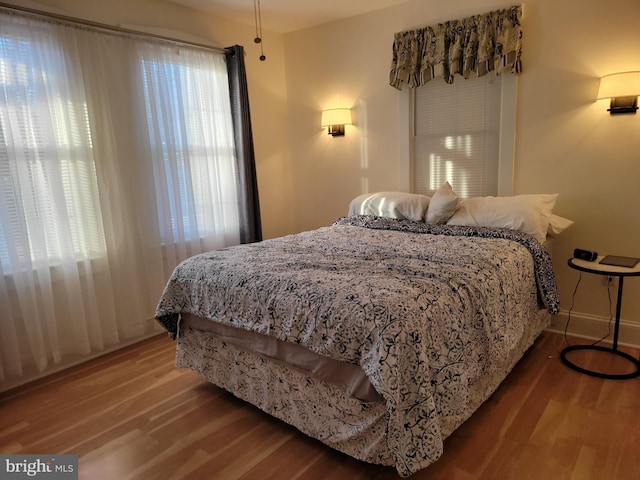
410	206
557	225
527	213
443	205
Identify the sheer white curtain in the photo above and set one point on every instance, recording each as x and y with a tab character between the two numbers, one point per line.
181	84
116	162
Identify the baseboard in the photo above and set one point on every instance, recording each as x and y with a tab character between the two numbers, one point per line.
30	374
592	327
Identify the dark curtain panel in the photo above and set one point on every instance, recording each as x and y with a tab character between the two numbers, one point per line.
248	203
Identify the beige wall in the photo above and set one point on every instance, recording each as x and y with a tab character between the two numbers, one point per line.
566	142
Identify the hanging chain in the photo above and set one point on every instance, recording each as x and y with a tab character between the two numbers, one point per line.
258	19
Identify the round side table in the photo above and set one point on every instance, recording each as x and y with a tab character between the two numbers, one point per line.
597	268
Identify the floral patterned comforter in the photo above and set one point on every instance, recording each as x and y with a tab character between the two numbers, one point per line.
428	311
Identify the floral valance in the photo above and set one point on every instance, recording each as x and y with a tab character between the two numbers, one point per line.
479	44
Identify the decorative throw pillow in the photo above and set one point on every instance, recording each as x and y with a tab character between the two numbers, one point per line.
443	205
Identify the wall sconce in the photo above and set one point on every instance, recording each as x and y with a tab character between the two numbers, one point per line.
623	90
335	119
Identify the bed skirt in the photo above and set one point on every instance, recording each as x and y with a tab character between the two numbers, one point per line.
317	408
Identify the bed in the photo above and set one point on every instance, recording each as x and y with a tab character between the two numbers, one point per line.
378	336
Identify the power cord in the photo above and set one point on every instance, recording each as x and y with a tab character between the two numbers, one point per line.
573	299
566	325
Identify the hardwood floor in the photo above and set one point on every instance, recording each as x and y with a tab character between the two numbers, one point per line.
133	415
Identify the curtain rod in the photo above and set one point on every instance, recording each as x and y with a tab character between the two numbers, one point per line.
105	26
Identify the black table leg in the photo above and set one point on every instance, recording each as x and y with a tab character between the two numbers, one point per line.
614	350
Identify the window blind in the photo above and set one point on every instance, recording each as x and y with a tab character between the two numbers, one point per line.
457	136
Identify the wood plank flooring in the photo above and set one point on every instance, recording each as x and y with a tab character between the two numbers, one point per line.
133	415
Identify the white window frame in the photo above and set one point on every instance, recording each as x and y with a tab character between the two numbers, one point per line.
507	135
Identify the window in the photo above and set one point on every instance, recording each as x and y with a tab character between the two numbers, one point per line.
189	123
463	134
48	183
48	186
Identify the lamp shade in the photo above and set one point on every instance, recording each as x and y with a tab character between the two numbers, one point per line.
626	84
336	116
